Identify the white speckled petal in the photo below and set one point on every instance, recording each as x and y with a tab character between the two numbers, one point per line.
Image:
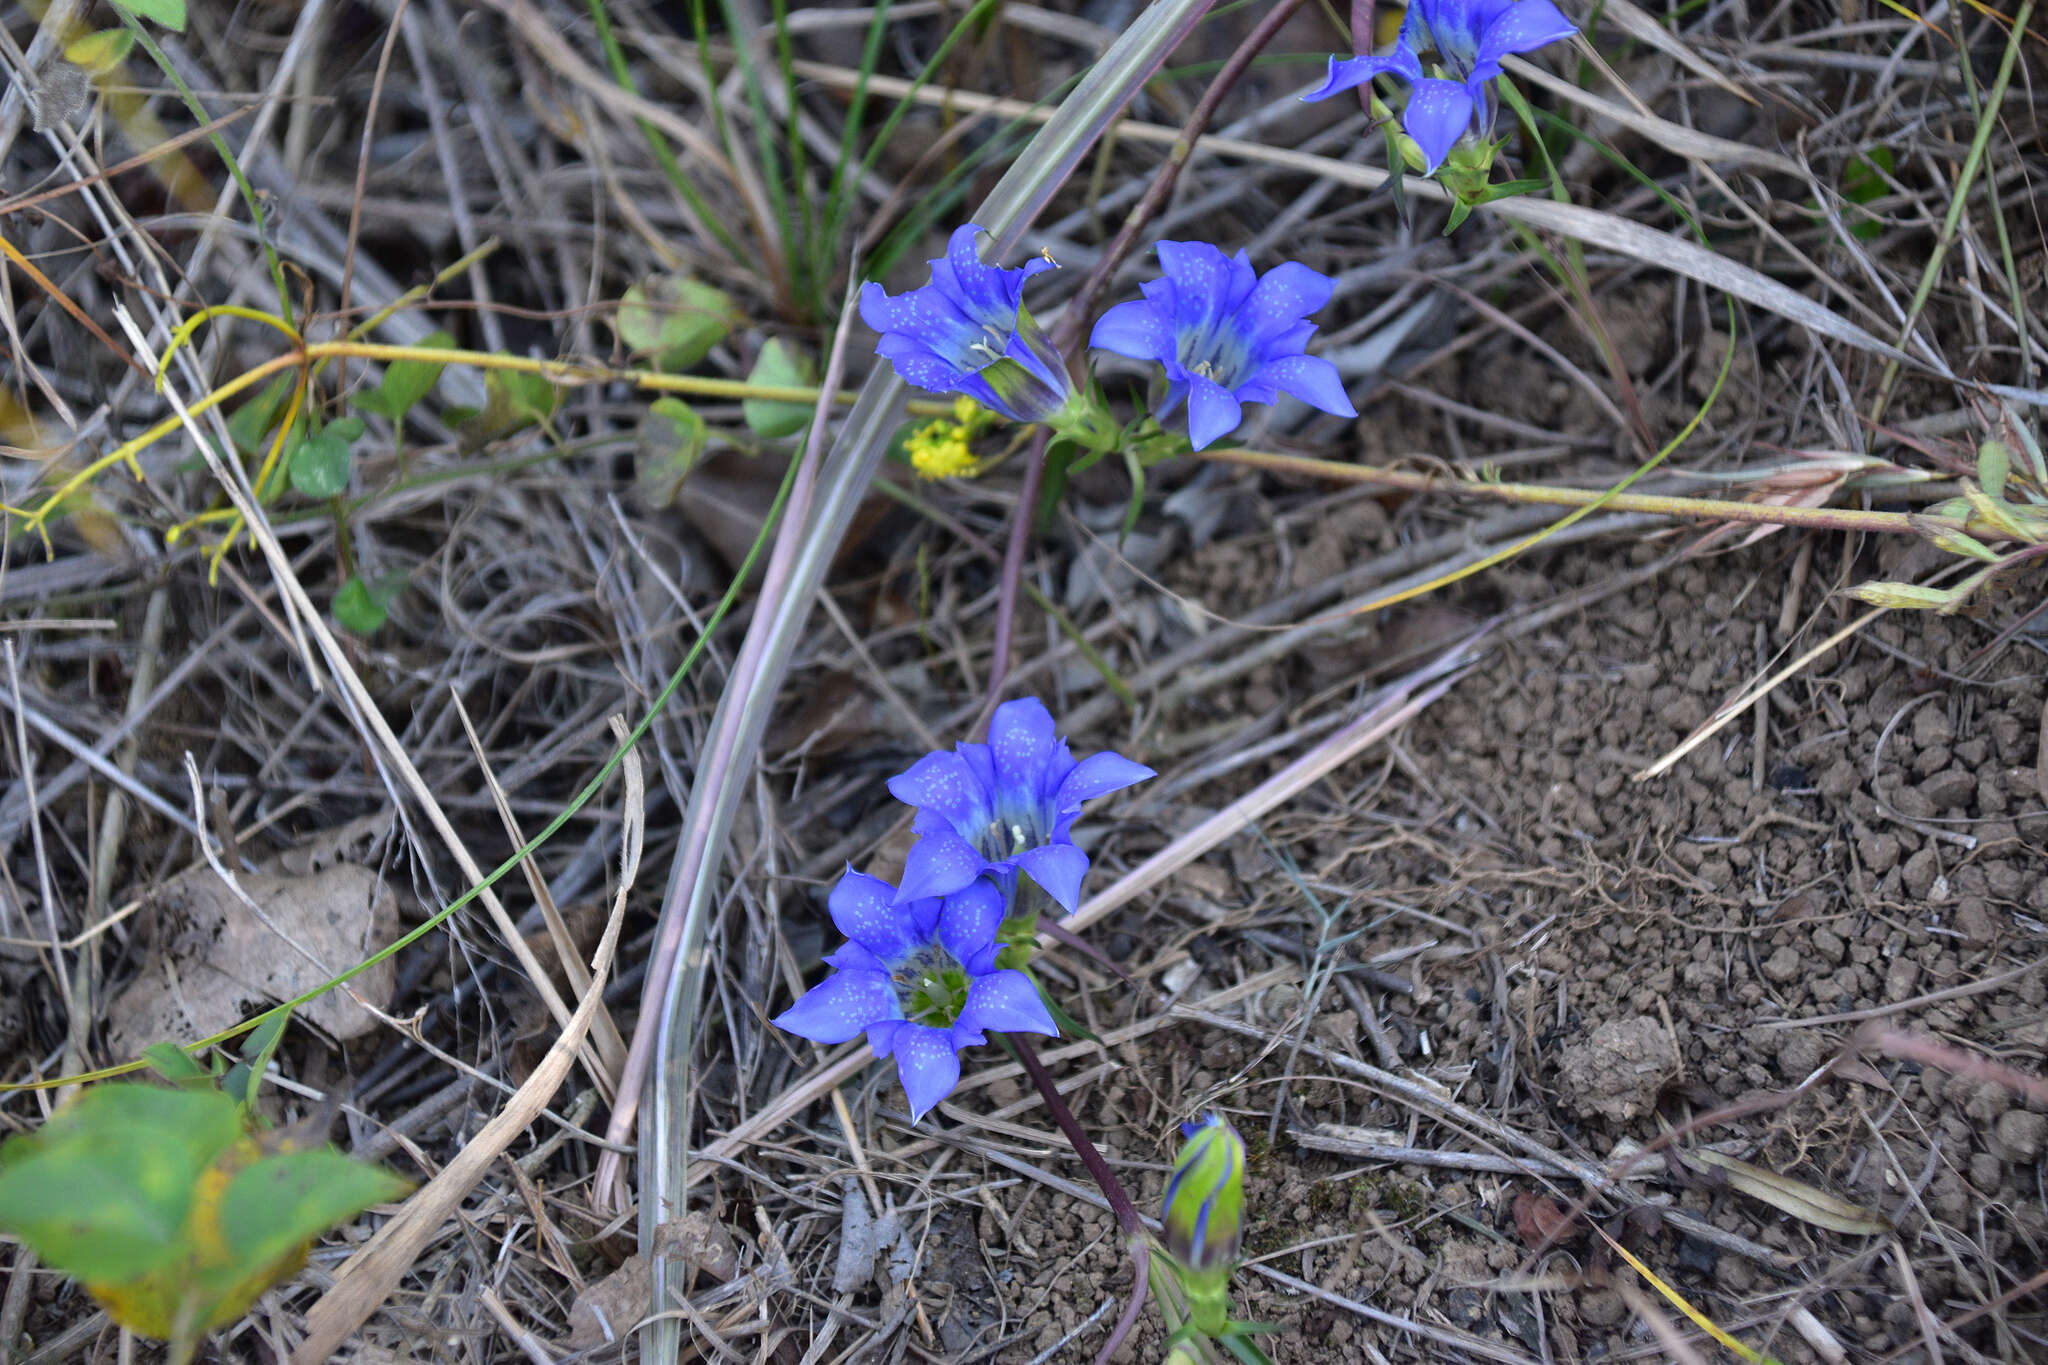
1005	1002
946	783
839	1008
939	865
1213	412
1021	741
1099	775
1285	295
1314	381
968	922
928	1067
865	910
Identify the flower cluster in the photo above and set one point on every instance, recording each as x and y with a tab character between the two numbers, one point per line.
1224	335
1467	38
919	972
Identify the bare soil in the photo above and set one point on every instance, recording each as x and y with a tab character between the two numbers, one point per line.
1592	960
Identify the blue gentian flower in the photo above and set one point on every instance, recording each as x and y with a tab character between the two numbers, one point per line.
965	332
921	979
1005	807
1469	38
1227	336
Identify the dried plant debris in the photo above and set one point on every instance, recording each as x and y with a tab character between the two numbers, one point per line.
216	958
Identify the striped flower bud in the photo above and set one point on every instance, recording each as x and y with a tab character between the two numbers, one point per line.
1204	1212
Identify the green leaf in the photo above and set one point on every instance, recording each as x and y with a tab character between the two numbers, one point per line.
362	606
102	1190
319	464
1864	178
244	1077
675	319
1994	466
99	53
280	1201
169	13
253	420
406	382
673	437
175	1064
531	395
1908	596
784	367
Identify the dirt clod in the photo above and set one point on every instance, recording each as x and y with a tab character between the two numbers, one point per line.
1617	1073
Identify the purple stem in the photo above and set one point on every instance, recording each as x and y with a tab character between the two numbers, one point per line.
1067	332
1127	1216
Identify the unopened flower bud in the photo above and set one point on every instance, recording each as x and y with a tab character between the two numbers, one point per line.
1204	1213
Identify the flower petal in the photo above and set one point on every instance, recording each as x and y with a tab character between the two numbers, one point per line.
1021	741
922	368
939	865
837	1009
1347	73
1313	380
943	782
1099	775
851	957
865	910
1058	870
968	922
1139	329
1212	412
1522	26
1005	1002
1286	294
1201	278
928	1067
882	1037
1437	115
923	316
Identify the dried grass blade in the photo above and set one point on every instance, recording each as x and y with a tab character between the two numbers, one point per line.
369	1276
1808	1203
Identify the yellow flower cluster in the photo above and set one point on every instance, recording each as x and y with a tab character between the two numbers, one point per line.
941	450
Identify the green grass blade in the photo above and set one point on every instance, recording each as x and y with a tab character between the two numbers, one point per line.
657	141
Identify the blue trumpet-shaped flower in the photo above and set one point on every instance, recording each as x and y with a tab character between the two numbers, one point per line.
1005	807
920	978
965	332
1226	336
1469	38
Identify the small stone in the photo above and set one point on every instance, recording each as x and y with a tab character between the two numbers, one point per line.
1950	787
1985	1169
1919	873
1975	921
1901	980
1783	966
1839	780
1827	946
2020	1134
1799	1055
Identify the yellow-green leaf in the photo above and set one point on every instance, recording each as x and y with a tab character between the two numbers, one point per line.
673	437
780	365
675	319
100	52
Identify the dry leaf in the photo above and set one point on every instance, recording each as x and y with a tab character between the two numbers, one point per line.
216	962
1540	1220
1803	1201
